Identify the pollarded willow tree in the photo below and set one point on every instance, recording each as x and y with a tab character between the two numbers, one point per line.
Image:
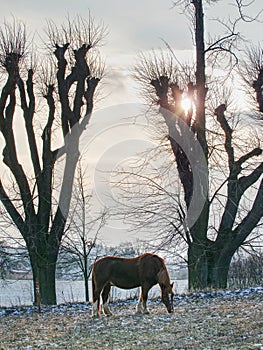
54	91
240	184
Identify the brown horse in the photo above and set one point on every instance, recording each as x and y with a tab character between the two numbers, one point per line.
145	270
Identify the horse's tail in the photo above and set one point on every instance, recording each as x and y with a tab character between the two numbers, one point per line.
93	279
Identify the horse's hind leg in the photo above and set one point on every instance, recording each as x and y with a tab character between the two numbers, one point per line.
105	297
139	307
95	298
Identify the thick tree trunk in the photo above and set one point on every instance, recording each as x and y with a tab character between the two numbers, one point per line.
197	266
219	263
47	284
35	284
198	249
43	261
44	279
218	272
207	268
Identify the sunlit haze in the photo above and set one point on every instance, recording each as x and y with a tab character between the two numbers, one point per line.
133	27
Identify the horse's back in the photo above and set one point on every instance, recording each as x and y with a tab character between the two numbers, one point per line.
109	262
128	273
118	271
146	260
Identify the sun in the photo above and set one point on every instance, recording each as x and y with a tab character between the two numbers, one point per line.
186	104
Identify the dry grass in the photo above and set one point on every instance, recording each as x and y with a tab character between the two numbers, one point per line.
225	322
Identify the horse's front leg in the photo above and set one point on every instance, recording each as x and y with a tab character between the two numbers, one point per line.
105	298
142	304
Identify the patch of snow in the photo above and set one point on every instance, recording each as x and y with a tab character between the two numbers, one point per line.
86	308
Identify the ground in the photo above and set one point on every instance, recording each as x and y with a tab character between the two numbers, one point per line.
215	320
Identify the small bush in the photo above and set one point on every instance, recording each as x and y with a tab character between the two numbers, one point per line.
245	272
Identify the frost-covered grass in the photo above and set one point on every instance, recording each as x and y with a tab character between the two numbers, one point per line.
215	320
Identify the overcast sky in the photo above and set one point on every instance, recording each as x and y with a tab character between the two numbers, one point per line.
138	25
134	26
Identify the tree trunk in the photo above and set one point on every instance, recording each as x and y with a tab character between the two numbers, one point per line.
86	281
86	278
37	300
197	266
208	268
44	279
43	262
219	263
47	284
198	248
217	278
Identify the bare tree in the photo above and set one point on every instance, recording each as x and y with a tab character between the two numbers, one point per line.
82	233
67	86
166	82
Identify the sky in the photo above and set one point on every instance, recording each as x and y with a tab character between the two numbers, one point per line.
134	26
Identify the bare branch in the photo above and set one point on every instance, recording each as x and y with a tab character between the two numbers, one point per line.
244	17
13	44
77	31
228	133
11	209
243	230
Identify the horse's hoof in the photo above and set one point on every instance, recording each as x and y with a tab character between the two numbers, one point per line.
108	314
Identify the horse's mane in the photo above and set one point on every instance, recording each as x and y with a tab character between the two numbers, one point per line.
162	275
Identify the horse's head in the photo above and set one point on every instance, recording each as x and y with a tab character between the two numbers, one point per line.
167	296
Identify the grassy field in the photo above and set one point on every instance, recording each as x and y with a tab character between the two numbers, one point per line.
211	321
